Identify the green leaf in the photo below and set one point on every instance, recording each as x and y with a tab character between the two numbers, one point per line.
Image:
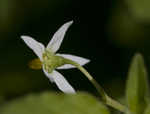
137	86
54	103
139	9
124	30
147	110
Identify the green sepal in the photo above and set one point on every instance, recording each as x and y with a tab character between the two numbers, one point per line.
52	61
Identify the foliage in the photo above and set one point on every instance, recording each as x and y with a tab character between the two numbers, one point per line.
54	103
137	86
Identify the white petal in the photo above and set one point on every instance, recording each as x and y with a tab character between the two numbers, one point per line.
66	66
62	83
80	60
58	37
37	47
50	77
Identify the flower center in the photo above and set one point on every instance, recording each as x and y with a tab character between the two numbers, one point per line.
51	61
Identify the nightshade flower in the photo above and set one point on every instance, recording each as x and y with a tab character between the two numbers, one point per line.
51	61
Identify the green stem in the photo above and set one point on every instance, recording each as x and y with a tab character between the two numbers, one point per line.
93	81
113	103
106	99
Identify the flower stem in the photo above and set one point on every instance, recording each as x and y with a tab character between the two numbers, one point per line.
94	82
105	98
113	103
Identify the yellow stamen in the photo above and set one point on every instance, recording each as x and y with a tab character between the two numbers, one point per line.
35	64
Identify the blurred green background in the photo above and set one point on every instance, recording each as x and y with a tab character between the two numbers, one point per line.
107	32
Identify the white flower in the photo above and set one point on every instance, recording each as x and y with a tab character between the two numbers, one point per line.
51	61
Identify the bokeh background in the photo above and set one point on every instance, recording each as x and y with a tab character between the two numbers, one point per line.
107	32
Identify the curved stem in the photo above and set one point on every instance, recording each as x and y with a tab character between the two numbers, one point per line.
106	99
113	103
93	81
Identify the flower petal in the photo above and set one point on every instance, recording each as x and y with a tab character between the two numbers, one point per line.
58	37
62	83
50	76
37	47
80	60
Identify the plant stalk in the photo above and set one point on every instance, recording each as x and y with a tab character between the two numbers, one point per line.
105	98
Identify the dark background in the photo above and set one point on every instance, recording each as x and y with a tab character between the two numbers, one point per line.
107	32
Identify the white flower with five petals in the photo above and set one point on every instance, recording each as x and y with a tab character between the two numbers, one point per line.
51	61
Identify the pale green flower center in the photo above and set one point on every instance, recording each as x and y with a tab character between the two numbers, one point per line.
51	61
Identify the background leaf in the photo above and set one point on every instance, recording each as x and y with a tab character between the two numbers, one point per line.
137	86
139	9
147	110
54	103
